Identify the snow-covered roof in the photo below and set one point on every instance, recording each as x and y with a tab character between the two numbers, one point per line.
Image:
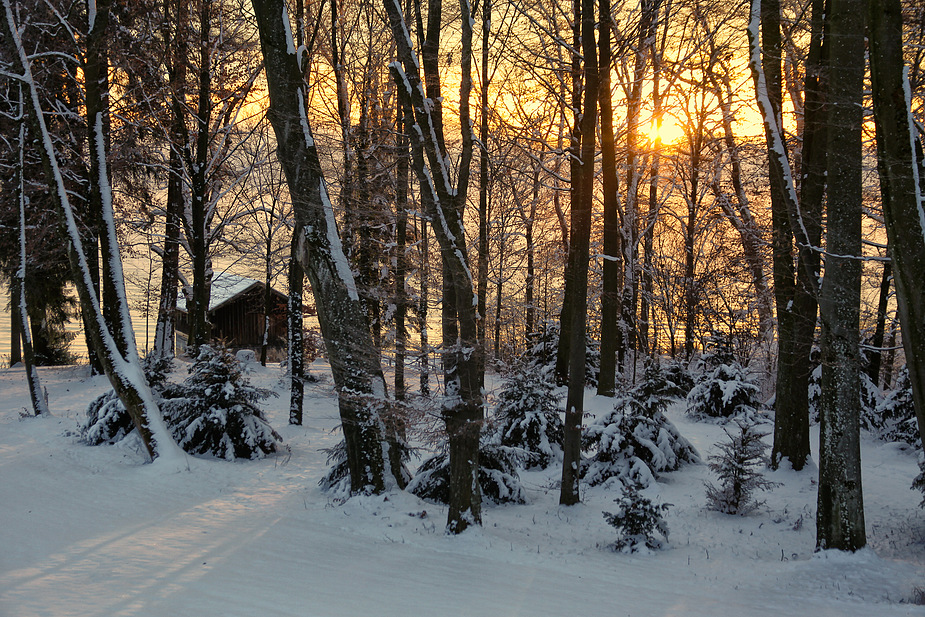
225	287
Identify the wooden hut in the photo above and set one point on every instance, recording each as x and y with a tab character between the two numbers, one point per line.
236	313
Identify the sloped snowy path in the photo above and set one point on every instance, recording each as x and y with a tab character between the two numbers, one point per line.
89	532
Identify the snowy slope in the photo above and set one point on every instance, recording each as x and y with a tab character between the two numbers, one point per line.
92	532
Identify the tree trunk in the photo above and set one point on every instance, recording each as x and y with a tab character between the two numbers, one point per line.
795	299
19	315
198	309
296	347
170	258
462	406
401	258
900	187
579	253
122	365
840	514
610	290
876	343
353	357
567	315
483	183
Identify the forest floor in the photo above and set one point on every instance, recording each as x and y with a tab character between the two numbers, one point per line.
91	531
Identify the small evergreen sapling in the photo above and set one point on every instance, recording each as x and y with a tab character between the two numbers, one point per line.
636	441
737	466
216	414
498	479
871	401
919	483
728	391
896	414
528	418
637	521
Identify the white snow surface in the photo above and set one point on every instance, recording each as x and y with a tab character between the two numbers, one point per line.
92	531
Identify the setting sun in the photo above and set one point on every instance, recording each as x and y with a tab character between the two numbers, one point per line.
666	131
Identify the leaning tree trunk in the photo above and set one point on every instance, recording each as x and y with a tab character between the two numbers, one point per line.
121	364
840	513
900	186
354	359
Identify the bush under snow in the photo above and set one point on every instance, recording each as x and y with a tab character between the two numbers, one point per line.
527	417
498	477
635	442
726	392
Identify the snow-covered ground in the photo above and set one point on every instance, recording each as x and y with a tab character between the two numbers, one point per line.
90	531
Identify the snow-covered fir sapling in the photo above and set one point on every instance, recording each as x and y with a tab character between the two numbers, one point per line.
107	419
727	391
215	412
527	416
737	466
636	441
637	521
896	413
544	344
919	483
498	479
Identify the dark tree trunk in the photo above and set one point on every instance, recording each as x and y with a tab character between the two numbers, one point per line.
170	259
579	250
840	513
423	305
198	309
296	350
876	352
463	406
900	187
794	287
610	283
483	184
567	315
401	258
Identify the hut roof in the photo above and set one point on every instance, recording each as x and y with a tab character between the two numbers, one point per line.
225	288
